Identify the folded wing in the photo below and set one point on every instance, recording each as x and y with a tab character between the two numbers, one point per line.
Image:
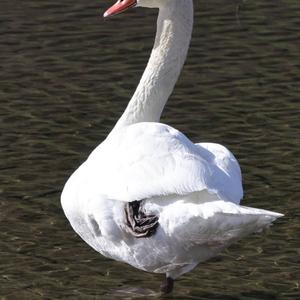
147	160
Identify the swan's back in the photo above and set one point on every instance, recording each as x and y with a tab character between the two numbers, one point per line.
146	160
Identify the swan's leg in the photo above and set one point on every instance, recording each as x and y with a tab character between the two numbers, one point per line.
167	285
138	223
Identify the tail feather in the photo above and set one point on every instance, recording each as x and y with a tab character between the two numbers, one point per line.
214	223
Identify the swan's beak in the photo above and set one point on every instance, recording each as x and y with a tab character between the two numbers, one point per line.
118	7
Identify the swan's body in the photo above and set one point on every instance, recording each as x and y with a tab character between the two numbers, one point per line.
194	189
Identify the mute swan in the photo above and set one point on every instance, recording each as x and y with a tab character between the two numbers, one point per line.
147	195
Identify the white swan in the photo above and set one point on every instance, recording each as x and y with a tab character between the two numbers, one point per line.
147	195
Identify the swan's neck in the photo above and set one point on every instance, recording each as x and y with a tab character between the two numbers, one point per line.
174	28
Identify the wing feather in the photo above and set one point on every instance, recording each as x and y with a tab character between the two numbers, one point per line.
148	160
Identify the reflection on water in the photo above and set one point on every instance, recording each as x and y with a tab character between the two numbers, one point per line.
66	76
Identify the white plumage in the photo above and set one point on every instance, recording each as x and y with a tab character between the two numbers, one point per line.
194	189
147	160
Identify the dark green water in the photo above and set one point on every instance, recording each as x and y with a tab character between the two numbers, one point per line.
66	76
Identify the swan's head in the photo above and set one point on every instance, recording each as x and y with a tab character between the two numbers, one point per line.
122	5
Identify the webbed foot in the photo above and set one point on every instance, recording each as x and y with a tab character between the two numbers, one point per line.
138	223
167	285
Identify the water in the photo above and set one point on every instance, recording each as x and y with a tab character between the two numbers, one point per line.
65	78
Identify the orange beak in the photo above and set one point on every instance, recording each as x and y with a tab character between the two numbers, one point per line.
118	7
